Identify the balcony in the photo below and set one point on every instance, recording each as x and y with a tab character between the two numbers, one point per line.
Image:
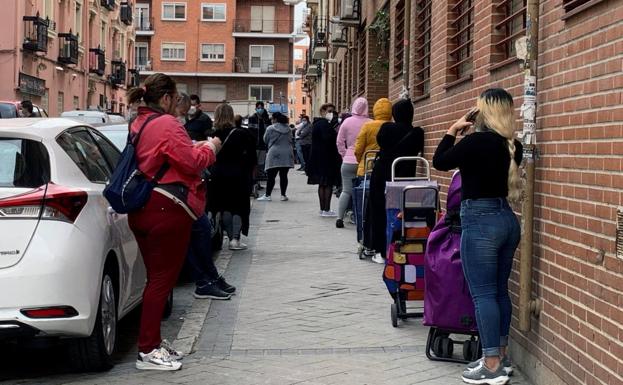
97	61
108	4
134	79
68	48
263	28
350	13
125	13
35	34
260	66
299	70
118	73
144	26
339	36
312	71
319	39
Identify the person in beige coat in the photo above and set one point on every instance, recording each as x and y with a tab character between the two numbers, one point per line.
366	140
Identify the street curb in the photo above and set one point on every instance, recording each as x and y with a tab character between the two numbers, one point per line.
194	319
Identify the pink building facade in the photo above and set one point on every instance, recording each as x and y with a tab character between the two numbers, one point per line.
69	54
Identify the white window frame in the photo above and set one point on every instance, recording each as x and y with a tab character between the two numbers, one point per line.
272	91
174	4
138	45
162	58
203	99
103	35
78	20
48	9
201	58
263	68
205	5
139	10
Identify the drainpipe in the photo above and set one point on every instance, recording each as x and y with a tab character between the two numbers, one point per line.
406	91
527	305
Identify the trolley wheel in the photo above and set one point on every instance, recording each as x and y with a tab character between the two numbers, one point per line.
394	314
447	347
467	351
437	346
476	349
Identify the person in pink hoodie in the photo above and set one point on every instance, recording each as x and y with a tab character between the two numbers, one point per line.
346	138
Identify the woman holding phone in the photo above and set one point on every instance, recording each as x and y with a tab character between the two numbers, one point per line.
488	158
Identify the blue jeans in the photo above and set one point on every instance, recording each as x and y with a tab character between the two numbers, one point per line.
489	239
299	153
200	252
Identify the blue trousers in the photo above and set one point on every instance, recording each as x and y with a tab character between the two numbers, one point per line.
200	252
490	236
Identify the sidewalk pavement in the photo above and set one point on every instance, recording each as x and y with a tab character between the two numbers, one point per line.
308	311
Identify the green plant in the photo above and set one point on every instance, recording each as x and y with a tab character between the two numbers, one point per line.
380	28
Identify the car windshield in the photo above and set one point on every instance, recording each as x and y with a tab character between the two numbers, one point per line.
23	163
8	110
118	138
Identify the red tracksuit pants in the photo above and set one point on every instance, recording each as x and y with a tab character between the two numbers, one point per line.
162	230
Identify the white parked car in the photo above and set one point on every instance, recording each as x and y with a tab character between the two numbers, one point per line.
69	266
87	116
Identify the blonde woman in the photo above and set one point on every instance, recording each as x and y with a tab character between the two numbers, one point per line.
488	159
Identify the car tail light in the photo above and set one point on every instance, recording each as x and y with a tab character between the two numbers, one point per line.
50	312
46	202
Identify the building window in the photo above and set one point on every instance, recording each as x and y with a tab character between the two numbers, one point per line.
76	103
173	51
213	12
78	21
212	52
298	54
261	58
399	37
60	102
303	100
103	36
213	92
573	7
174	11
141	55
362	63
263	93
422	46
182	88
48	9
45	100
513	25
262	19
461	38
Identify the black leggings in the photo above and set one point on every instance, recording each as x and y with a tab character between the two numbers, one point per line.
283	179
324	195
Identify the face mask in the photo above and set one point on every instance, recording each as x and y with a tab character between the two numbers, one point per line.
260	111
192	110
329	116
339	120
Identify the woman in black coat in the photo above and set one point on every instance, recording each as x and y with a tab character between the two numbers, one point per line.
395	140
325	161
229	187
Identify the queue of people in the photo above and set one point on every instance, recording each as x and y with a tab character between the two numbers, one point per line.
194	158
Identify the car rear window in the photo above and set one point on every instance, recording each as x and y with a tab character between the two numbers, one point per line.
23	163
7	110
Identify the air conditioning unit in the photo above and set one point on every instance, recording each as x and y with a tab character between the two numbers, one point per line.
350	11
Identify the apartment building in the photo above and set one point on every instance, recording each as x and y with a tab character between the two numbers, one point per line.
234	50
458	48
299	101
67	54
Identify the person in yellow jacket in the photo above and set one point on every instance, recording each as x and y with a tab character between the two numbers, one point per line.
366	140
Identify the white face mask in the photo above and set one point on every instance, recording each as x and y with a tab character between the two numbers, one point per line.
192	110
339	120
329	116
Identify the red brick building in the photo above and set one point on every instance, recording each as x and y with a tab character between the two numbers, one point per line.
233	50
458	49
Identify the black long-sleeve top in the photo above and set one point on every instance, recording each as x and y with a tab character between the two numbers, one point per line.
482	158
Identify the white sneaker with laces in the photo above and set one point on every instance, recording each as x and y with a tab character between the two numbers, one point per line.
284	198
264	198
173	353
378	259
329	214
235	244
157	359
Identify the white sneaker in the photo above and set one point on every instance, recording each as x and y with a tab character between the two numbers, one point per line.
329	214
157	359
284	198
264	198
378	259
173	353
235	244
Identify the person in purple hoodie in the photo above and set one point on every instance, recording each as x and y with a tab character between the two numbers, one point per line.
346	138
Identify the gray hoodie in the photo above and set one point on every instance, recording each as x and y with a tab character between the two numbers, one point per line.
278	138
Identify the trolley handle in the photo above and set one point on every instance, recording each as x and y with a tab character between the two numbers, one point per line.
404	199
417	159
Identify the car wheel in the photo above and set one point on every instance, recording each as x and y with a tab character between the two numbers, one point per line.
94	353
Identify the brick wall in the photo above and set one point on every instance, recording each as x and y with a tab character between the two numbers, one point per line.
578	336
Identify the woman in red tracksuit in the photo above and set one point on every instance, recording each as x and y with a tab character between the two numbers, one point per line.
162	228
